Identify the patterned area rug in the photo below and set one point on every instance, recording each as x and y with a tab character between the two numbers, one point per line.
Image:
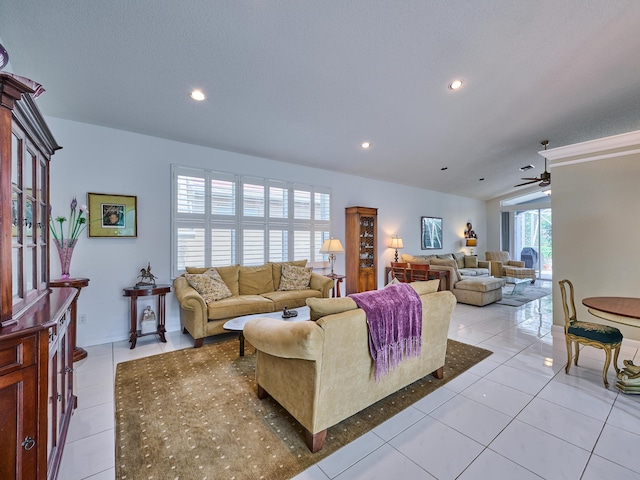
194	414
532	292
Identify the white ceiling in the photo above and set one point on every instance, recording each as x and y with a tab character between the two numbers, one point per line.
307	81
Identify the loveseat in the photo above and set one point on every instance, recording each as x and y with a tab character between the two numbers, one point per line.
469	278
249	290
322	372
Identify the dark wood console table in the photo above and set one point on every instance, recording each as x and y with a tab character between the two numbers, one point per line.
432	275
78	283
133	293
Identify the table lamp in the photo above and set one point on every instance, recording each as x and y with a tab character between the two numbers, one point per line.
471	242
396	242
332	246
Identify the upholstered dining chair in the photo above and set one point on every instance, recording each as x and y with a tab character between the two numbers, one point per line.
419	272
587	333
400	271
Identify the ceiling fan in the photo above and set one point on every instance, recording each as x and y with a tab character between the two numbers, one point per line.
544	178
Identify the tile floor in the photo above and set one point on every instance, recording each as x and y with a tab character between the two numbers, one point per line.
516	415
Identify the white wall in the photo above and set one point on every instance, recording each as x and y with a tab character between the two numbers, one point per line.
103	160
596	227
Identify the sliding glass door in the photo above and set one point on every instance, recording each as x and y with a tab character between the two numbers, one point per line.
532	240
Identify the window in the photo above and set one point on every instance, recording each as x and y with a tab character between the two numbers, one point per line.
223	219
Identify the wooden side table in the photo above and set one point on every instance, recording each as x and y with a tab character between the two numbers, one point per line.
77	283
133	293
337	280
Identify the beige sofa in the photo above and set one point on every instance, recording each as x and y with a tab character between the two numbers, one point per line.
253	289
479	289
321	371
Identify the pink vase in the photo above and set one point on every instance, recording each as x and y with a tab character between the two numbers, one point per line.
65	251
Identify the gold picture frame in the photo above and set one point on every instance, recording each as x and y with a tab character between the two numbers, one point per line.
112	215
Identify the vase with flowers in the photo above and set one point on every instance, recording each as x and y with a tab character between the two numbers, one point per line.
65	244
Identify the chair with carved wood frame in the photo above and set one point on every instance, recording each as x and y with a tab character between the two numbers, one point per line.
419	272
400	271
588	333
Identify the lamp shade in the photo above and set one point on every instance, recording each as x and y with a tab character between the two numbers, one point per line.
332	245
396	242
472	242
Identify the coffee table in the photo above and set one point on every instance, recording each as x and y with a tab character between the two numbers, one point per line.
519	284
237	324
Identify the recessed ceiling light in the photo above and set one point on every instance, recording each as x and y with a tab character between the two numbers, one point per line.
526	167
481	179
444	168
366	145
197	95
455	85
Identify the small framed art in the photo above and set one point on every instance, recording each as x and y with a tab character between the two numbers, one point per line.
430	233
112	215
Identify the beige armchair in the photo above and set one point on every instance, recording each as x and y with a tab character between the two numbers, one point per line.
503	266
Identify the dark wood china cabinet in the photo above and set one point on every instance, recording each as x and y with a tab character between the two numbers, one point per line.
36	360
361	262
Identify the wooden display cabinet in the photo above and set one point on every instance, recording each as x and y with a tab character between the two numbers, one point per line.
36	369
361	249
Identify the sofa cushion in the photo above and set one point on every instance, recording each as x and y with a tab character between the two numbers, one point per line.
229	275
209	285
255	280
417	258
445	256
459	258
320	307
448	263
291	298
294	278
470	261
237	306
422	288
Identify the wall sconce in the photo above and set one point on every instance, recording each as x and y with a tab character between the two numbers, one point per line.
332	246
396	242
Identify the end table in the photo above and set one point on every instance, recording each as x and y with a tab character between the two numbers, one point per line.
133	293
337	280
77	283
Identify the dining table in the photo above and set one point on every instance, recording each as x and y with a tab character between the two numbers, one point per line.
626	311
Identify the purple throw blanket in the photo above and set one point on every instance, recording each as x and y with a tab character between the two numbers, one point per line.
394	316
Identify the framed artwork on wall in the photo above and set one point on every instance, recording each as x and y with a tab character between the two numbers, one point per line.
112	215
431	233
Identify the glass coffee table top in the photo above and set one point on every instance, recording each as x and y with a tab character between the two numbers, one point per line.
519	284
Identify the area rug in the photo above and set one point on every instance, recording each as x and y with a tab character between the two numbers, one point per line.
532	292
194	414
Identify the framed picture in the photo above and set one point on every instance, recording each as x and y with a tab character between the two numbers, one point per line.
430	233
112	215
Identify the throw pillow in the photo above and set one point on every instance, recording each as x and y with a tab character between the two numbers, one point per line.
209	284
470	261
459	258
294	278
320	307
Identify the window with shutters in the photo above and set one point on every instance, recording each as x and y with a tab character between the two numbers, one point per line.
224	219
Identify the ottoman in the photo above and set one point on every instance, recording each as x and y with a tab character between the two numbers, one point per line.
520	273
479	291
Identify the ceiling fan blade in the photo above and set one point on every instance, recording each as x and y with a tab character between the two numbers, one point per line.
528	183
533	179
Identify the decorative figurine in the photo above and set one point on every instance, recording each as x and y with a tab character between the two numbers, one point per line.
148	322
288	313
147	279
